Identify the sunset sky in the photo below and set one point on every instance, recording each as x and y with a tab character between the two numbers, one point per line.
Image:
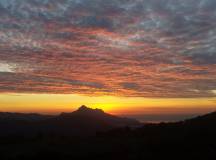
124	56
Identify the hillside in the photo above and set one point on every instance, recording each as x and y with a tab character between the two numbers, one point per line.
190	139
85	121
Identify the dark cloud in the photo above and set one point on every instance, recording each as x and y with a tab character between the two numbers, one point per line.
132	86
202	59
18	82
96	22
146	48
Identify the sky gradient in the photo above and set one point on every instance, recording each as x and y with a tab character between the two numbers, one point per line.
141	51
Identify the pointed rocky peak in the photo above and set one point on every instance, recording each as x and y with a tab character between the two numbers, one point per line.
85	109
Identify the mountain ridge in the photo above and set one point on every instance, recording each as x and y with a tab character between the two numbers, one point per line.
84	121
62	138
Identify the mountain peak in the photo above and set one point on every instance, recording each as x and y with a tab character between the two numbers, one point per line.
85	109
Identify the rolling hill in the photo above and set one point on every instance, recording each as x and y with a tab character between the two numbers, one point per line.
84	121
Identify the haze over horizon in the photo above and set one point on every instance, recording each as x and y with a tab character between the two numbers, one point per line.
127	57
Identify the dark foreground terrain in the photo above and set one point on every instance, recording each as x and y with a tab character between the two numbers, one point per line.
110	139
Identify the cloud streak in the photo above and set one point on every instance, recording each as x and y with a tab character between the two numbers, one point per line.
142	48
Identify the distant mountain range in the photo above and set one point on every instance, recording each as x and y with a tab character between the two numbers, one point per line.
23	116
92	134
84	121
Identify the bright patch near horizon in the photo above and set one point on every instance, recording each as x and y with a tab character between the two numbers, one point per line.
4	67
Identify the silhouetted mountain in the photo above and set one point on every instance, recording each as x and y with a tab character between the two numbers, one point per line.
99	115
190	139
23	116
84	121
207	120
